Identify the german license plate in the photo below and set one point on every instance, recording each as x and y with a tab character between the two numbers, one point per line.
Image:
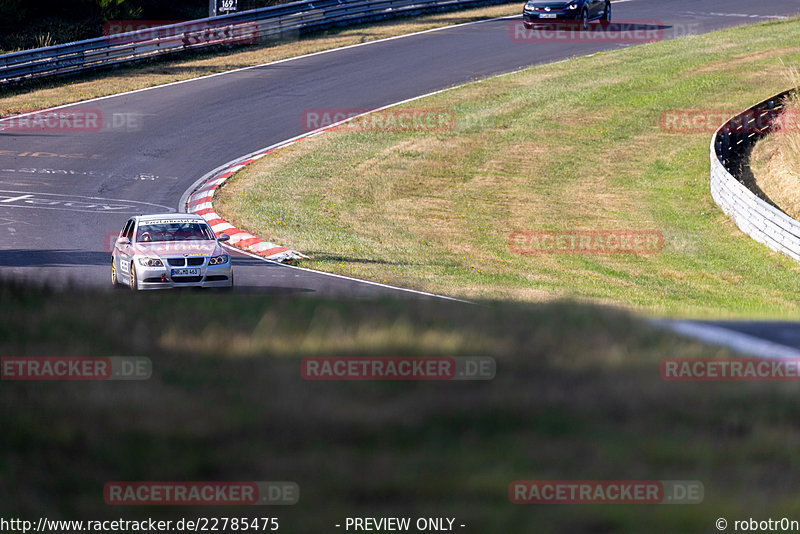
185	272
547	15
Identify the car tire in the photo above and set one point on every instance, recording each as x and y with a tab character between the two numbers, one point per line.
605	20
134	283
585	20
114	282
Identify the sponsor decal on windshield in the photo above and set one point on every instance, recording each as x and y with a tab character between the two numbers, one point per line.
168	221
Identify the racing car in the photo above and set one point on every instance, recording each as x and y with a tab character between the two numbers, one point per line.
172	250
537	12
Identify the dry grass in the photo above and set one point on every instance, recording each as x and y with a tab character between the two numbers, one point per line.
740	60
433	210
776	158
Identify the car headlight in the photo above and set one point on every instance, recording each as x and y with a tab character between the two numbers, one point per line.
218	260
574	5
529	6
150	262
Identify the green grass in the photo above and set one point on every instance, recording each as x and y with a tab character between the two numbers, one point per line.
577	396
568	146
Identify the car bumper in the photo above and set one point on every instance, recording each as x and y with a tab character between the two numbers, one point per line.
534	18
160	277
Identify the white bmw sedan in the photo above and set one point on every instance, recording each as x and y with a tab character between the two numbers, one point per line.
172	250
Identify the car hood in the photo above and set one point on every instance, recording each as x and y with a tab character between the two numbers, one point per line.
171	249
551	5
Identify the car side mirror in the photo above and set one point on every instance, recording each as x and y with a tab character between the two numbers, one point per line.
123	241
223	237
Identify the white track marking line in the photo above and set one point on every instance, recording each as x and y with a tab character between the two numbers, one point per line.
369	282
258	153
276	62
736	341
738	15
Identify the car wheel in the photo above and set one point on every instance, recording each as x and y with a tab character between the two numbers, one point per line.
606	19
113	272
585	19
134	281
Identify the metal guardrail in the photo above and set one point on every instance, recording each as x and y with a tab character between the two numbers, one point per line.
258	25
730	150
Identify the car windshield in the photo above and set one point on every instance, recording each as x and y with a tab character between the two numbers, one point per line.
173	231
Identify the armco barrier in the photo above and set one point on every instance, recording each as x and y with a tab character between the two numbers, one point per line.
269	23
730	149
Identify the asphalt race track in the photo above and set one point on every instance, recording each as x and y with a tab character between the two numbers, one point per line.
62	194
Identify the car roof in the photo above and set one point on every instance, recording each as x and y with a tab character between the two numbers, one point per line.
170	216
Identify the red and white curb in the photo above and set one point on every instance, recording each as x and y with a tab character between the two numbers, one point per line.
201	200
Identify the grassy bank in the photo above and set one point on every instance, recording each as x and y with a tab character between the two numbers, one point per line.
577	395
775	160
43	94
570	146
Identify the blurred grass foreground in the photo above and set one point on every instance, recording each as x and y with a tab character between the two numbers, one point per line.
577	395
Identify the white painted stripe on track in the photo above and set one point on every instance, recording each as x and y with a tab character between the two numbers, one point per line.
368	282
222	169
276	62
262	152
736	341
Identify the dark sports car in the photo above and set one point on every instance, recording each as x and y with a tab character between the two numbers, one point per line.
582	12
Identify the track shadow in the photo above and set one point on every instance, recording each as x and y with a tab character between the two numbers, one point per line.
747	178
51	258
326	256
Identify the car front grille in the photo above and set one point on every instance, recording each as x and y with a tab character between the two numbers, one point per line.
195	261
186	279
176	262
